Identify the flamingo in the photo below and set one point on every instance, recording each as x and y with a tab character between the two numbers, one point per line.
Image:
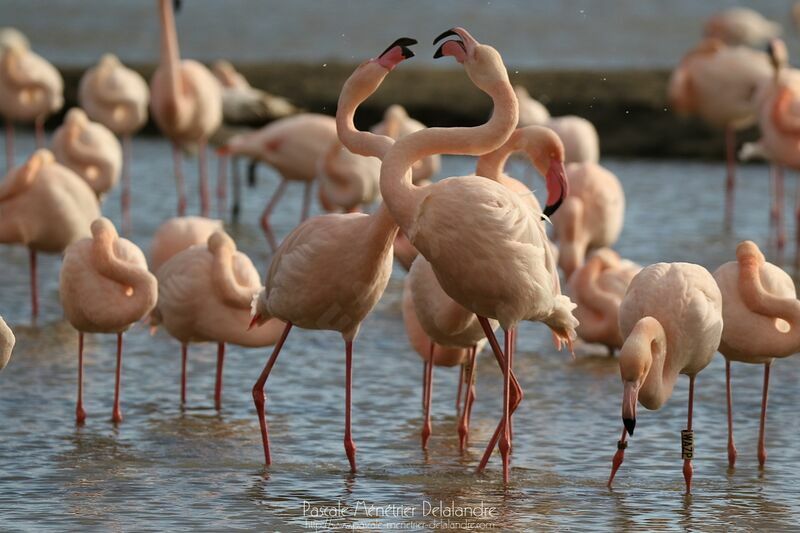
244	104
741	26
10	36
31	89
293	146
205	293
718	83
90	150
105	287
116	97
177	234
761	314
581	142
347	181
592	214
186	103
331	270
7	342
397	124
485	246
671	320
597	288
46	207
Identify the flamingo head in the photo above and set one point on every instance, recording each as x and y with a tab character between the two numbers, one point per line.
635	360
546	152
483	64
778	54
395	53
749	256
219	241
104	233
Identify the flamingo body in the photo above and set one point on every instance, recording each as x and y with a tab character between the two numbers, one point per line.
115	96
30	87
178	234
7	342
348	180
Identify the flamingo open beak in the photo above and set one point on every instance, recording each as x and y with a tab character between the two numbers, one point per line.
630	395
396	52
458	48
557	186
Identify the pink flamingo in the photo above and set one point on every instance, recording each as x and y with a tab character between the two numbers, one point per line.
741	26
105	287
397	124
761	314
597	288
718	83
484	244
347	181
205	294
671	320
116	97
243	103
293	146
186	103
7	342
31	89
592	214
90	150
332	269
46	207
177	234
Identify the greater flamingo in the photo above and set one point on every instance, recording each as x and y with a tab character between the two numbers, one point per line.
105	287
243	103
31	89
46	207
671	320
484	244
7	342
186	103
718	83
397	124
762	317
205	295
597	288
592	214
741	26
332	269
177	234
117	97
293	146
90	150
347	181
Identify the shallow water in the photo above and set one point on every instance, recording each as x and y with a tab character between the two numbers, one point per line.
164	468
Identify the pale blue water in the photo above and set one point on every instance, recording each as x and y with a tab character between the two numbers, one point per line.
164	469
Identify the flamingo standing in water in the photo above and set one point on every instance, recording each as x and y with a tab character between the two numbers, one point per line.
671	320
331	270
293	146
483	242
105	287
46	207
7	342
90	150
205	294
244	104
177	234
762	320
31	89
186	103
718	83
117	97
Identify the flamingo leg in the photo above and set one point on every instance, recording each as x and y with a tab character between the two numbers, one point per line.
184	350
687	462
218	383
252	173
426	425
349	445
273	245
177	165
39	129
731	445
222	184
116	415
463	426
424	383
202	162
9	145
730	180
125	199
306	200
260	399
80	414
236	178
505	437
797	229
762	448
460	388
781	193
34	286
619	456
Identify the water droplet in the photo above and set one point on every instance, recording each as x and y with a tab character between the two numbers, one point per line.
324	65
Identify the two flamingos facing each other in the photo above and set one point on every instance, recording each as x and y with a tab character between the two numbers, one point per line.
671	320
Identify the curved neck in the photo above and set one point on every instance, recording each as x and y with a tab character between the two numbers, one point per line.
396	186
170	54
79	151
353	95
139	282
223	277
592	296
491	165
647	345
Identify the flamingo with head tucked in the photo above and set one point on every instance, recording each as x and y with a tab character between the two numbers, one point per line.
671	320
105	287
177	234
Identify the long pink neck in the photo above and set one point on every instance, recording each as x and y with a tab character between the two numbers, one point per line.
592	295
225	283
138	279
399	192
491	165
170	54
648	340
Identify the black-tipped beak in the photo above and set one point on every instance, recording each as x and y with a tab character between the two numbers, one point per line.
403	43
630	425
550	209
449	33
444	35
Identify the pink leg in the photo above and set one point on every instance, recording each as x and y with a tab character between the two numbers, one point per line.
424	383
687	463
618	457
762	448
731	445
9	145
505	436
460	388
797	230
260	399
268	211
781	195
177	164
222	184
39	127
463	426
34	286
349	445
184	350
306	200
80	414
126	185
116	415
730	181
218	384
205	204
426	425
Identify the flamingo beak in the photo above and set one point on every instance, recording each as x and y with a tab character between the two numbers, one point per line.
396	52
557	186
254	321
455	47
630	394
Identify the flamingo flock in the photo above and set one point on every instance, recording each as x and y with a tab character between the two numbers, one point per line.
481	251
